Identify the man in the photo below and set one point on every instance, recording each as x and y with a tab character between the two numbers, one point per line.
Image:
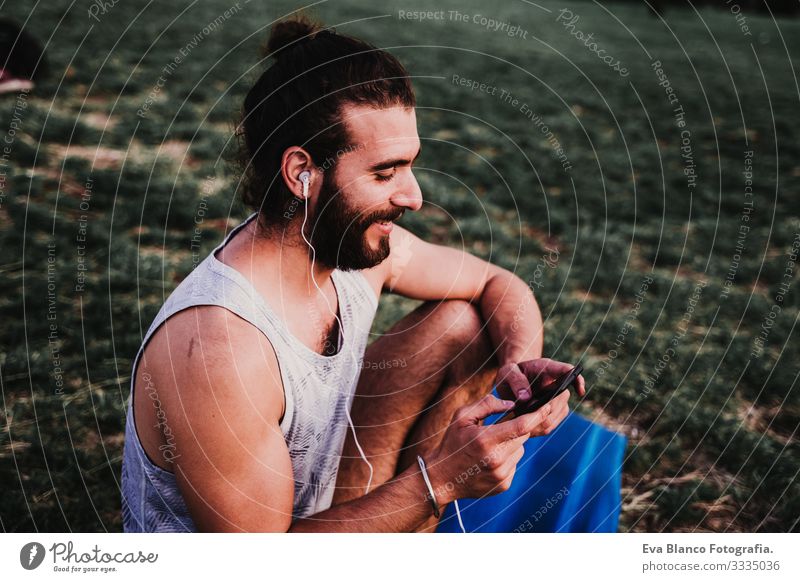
256	368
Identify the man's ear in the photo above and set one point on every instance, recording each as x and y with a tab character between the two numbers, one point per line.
294	162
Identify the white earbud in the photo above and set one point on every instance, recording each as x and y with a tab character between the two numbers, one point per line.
305	176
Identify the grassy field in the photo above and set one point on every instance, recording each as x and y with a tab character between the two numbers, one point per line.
658	235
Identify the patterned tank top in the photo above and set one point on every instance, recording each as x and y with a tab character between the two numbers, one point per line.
318	392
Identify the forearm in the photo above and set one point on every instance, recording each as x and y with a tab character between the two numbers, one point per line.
513	318
399	505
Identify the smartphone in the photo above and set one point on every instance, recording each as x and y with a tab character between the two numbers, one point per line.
540	398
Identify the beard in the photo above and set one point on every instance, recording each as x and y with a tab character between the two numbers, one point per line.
339	232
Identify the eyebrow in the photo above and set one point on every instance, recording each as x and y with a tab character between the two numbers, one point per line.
385	165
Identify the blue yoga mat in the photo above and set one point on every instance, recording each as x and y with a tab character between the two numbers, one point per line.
567	481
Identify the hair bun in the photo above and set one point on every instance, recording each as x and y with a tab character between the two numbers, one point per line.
287	32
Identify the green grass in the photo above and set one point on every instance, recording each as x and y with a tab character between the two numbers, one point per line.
712	444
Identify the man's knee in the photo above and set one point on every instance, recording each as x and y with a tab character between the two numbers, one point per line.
471	361
458	322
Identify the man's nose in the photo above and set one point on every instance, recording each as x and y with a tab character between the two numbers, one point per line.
409	195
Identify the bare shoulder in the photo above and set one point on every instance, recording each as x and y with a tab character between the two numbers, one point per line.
209	348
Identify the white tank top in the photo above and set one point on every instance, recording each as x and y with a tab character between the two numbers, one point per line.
317	389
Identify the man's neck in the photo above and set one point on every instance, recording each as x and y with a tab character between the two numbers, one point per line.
284	251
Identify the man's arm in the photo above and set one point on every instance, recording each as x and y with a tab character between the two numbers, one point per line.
222	401
422	270
514	318
399	505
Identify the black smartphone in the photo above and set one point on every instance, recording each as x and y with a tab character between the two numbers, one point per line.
540	398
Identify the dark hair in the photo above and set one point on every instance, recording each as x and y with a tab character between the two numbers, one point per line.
20	53
298	101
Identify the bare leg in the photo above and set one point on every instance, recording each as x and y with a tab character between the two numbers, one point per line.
436	359
467	386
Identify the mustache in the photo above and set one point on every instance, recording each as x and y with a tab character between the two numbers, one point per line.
381	216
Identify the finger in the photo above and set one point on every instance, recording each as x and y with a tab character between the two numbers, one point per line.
549	378
558	417
519	385
536	370
509	468
514	457
502	451
562	400
549	424
512	384
545	366
520	426
581	386
484	407
544	371
511	446
559	405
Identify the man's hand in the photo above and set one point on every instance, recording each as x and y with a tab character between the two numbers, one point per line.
476	460
514	381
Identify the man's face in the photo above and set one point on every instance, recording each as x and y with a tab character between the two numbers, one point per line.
366	188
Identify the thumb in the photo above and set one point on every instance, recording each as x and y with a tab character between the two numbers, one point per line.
512	384
488	405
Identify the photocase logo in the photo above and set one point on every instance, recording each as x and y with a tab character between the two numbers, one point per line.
31	555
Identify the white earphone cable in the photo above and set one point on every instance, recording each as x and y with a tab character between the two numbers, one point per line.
341	329
458	515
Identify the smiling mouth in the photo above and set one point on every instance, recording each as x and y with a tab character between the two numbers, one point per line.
384	225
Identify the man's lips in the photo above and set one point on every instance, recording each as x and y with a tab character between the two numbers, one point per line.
384	226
